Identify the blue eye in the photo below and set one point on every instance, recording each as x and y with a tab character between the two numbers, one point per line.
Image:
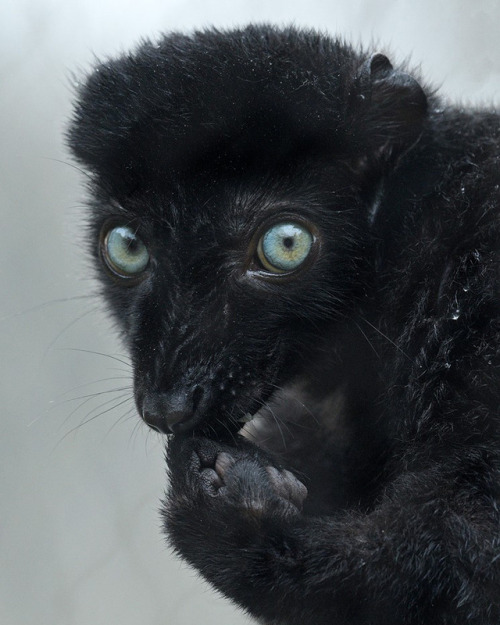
284	247
124	252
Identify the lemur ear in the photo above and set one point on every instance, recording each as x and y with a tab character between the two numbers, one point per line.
388	109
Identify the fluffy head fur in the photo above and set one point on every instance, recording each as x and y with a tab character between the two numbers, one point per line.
198	142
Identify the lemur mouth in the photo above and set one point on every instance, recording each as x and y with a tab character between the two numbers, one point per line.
196	422
180	413
246	418
218	404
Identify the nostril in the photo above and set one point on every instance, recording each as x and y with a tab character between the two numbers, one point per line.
149	420
154	417
163	411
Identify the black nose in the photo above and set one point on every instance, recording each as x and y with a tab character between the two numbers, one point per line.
171	412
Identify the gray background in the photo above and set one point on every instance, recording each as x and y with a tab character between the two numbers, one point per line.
79	529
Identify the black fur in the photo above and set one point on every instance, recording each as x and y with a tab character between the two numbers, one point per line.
374	367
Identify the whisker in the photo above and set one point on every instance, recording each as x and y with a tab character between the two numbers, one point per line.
290	395
72	165
99	414
75	410
59	300
277	421
135	429
80	386
124	417
222	422
367	339
97	394
211	428
388	339
66	328
89	351
119	370
85	401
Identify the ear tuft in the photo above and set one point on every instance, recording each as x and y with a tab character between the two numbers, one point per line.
390	106
379	64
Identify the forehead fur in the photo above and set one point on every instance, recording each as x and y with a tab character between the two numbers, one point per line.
256	96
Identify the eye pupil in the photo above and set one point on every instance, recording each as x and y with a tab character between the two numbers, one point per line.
288	242
132	244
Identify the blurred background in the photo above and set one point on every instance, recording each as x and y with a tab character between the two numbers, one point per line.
80	476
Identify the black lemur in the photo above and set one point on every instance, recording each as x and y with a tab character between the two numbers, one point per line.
292	229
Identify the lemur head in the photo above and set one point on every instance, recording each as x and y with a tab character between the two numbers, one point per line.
232	175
